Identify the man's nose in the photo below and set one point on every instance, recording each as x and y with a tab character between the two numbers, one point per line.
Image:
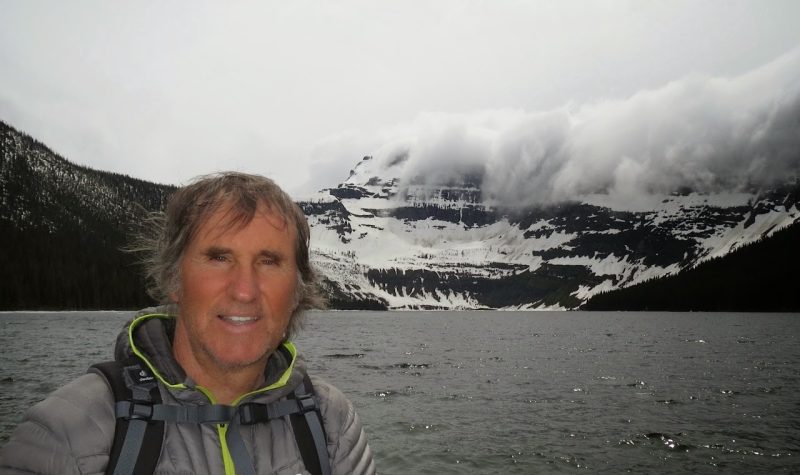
244	285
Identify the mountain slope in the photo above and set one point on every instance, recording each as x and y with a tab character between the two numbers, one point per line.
62	227
759	277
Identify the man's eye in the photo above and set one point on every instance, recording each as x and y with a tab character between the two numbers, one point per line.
269	260
217	257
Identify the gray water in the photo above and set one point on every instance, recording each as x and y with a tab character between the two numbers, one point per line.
511	392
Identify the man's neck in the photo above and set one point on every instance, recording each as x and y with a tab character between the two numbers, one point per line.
231	385
225	384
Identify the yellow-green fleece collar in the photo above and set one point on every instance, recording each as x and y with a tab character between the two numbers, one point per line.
277	384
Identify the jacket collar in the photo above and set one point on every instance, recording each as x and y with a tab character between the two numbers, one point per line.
149	336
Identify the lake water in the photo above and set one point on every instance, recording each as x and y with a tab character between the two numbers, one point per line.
510	392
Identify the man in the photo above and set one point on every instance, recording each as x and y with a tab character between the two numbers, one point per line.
230	262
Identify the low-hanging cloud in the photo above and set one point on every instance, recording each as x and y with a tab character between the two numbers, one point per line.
698	133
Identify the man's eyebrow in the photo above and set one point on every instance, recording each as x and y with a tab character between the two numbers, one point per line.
216	250
220	250
270	254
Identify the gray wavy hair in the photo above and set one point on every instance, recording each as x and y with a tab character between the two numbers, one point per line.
169	233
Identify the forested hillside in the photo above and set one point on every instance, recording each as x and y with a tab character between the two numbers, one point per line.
62	227
760	277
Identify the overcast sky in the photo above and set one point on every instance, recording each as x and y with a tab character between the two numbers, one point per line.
301	90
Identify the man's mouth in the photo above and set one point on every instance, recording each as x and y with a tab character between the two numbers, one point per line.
238	319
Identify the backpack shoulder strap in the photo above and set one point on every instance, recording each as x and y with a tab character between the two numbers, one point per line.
137	439
139	431
308	429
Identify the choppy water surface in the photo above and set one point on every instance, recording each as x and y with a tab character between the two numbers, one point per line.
511	392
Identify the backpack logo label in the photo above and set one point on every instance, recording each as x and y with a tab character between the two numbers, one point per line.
138	376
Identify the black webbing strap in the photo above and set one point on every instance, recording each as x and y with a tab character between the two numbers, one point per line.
137	440
308	431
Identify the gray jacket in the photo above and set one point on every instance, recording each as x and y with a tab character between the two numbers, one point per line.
71	431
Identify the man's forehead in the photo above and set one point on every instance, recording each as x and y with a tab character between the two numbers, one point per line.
227	218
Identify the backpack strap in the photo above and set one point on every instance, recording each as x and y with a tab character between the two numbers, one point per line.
304	414
137	439
140	415
308	429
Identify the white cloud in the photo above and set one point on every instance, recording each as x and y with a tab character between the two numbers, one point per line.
700	133
168	90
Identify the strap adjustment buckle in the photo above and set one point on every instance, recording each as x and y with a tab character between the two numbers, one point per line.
139	412
306	403
252	413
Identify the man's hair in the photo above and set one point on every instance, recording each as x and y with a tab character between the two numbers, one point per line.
171	232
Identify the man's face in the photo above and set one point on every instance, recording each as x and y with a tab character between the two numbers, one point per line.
237	291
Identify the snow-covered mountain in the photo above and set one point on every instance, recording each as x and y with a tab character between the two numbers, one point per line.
390	236
544	208
384	238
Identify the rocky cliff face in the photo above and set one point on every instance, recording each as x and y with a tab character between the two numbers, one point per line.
384	240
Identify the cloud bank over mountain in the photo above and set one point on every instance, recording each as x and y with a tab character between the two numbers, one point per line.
699	133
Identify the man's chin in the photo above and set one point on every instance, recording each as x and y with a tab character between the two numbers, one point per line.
238	363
